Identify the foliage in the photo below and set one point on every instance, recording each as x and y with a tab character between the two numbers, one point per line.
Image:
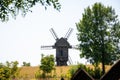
13	7
47	64
38	74
99	35
8	71
95	73
72	70
54	73
4	73
26	64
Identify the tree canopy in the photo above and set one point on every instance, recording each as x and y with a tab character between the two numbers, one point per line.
9	70
12	8
99	34
26	64
47	63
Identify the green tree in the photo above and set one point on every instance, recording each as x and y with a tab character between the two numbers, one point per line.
8	71
14	69
47	64
13	7
4	72
26	64
99	35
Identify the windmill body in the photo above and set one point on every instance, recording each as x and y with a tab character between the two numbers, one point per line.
61	45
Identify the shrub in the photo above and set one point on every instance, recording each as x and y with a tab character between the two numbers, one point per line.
95	73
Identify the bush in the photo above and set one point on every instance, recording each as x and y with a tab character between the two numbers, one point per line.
95	73
8	71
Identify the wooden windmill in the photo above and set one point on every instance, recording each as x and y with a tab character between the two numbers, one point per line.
61	45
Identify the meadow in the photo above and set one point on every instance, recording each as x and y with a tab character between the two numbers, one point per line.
28	73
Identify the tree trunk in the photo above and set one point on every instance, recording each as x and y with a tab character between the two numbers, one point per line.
103	63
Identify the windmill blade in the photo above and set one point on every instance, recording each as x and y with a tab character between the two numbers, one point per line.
68	33
70	60
54	34
75	47
46	47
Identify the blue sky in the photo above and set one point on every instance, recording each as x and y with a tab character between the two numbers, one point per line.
21	39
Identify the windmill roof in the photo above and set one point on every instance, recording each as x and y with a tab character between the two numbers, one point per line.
62	42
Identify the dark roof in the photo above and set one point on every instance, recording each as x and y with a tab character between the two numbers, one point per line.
113	73
81	74
62	42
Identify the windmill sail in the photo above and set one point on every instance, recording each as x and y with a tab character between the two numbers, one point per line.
68	33
46	47
70	60
54	34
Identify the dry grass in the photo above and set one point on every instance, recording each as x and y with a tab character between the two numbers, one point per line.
107	67
29	72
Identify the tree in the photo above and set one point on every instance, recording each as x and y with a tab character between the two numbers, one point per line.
26	64
99	35
8	71
47	64
13	7
4	72
14	69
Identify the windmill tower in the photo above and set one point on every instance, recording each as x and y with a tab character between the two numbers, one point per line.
61	45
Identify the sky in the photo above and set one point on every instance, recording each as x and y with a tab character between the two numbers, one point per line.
21	38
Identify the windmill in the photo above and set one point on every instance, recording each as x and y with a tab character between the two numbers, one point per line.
61	45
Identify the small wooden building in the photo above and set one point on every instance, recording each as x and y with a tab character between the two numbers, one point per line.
81	74
113	73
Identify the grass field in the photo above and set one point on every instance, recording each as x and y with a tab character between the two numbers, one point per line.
28	73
